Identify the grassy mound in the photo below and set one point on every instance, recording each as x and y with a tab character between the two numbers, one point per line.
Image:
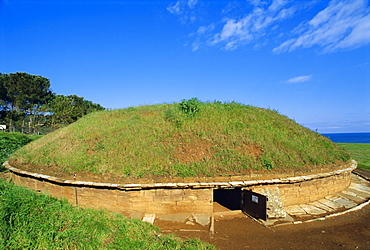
184	139
32	220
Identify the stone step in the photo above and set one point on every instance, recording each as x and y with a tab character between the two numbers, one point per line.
344	202
309	209
322	206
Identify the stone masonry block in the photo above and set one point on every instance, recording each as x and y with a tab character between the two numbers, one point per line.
176	192
149	193
136	193
162	193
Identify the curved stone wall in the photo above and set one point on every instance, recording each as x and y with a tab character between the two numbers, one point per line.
181	199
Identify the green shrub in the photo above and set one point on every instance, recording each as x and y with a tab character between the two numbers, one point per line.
268	164
190	107
10	142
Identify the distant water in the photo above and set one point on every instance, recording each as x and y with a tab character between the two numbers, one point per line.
349	137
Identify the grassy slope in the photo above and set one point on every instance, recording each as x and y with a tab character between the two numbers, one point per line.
360	152
30	220
145	142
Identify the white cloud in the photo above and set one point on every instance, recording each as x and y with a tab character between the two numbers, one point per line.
360	35
340	25
253	25
343	24
192	3
299	79
276	5
195	46
203	31
184	9
175	8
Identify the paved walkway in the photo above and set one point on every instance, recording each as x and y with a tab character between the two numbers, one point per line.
353	197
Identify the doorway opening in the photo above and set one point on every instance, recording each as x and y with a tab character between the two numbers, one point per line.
228	198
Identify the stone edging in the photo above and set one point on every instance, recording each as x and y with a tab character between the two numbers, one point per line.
355	208
231	184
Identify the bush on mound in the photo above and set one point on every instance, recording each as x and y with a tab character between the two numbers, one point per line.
187	139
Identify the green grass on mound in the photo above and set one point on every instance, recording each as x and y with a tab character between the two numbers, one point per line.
360	152
182	140
30	220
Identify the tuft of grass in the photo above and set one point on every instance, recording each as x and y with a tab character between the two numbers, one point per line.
184	139
360	152
30	220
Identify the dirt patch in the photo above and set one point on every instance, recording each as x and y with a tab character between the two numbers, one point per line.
349	231
194	151
250	150
191	149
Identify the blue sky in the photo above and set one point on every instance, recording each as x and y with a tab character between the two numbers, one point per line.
310	60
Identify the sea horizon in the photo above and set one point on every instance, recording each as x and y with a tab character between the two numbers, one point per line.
360	137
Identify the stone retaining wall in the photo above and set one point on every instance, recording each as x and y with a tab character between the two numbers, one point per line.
182	199
310	189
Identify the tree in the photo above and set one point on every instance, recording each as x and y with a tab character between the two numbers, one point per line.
2	92
23	93
26	98
64	110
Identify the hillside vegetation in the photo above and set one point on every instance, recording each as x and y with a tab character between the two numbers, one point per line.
10	142
184	139
32	220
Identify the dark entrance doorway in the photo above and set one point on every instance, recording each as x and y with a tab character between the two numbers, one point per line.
254	204
229	198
